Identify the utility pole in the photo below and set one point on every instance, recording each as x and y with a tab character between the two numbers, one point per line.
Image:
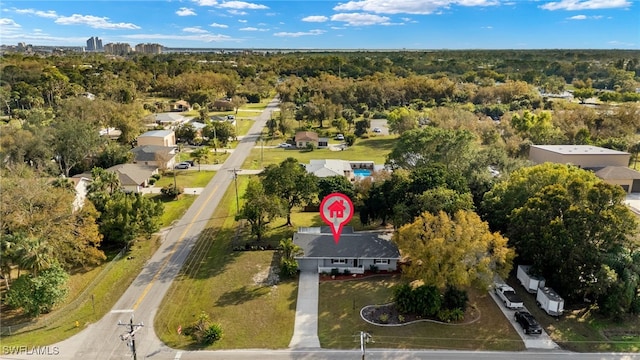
364	340
235	180
131	335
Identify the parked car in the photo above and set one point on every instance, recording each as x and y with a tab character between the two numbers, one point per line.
377	130
528	322
285	145
508	296
182	165
339	137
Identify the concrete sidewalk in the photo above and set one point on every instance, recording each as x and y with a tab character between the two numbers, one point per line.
305	330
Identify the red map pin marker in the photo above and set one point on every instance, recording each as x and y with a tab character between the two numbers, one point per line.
336	210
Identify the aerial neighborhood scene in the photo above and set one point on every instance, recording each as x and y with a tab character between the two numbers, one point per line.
410	179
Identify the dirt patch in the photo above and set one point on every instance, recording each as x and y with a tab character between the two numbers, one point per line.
266	277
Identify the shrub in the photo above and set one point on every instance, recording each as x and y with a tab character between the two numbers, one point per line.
309	147
172	191
455	299
401	318
152	181
212	334
288	268
374	268
203	331
347	272
384	318
350	139
423	300
448	315
156	176
335	271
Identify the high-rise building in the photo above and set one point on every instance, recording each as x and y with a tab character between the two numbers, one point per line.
94	44
117	48
149	48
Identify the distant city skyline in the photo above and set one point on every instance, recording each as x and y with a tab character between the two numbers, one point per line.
356	24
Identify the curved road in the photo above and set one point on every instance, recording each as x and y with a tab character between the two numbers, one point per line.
101	340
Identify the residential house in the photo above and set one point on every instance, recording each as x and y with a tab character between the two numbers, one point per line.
169	119
181	105
198	126
134	177
162	157
627	178
330	167
158	138
302	138
355	252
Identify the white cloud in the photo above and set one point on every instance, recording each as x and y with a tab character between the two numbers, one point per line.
206	2
9	27
621	43
253	29
45	14
195	30
9	23
237	12
299	33
315	18
584	17
408	6
202	37
337	28
359	19
242	21
585	4
487	27
216	25
242	5
95	22
183	11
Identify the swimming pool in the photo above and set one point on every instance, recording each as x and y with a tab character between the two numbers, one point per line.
361	172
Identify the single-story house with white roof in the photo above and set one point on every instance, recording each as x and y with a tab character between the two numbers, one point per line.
355	252
330	167
169	119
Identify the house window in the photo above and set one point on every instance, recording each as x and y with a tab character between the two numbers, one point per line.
323	143
381	261
338	261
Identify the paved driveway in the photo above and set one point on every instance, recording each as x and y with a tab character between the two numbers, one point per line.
305	331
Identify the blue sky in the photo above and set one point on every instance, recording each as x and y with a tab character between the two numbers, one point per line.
322	24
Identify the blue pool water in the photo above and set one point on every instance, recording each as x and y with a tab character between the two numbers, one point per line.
362	172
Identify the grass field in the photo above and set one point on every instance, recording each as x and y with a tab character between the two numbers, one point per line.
173	209
228	286
339	321
373	149
186	178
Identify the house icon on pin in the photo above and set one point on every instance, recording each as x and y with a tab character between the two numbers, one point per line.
336	209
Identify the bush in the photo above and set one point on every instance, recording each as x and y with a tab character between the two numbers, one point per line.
171	191
309	147
156	176
335	271
455	299
38	294
347	272
448	315
350	139
203	331
288	268
152	181
374	268
212	334
384	318
423	300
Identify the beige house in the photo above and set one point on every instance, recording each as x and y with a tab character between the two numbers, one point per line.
584	156
303	138
612	166
181	105
158	138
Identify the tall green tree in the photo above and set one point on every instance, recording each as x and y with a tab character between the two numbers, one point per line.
38	294
128	216
74	141
402	119
291	182
331	184
259	209
457	251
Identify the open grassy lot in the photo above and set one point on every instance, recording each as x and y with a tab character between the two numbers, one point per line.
339	321
582	330
373	149
92	294
186	178
230	287
173	209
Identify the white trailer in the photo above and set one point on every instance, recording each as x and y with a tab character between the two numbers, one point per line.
550	301
531	283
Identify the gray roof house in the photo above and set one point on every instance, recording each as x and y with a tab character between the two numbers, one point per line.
355	252
163	157
628	179
133	177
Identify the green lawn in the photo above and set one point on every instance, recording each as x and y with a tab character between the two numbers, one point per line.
186	178
373	149
339	321
92	294
173	209
226	285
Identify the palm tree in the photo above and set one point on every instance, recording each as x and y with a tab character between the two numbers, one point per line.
9	255
289	250
34	254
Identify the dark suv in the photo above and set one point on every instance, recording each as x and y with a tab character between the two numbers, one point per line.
528	322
